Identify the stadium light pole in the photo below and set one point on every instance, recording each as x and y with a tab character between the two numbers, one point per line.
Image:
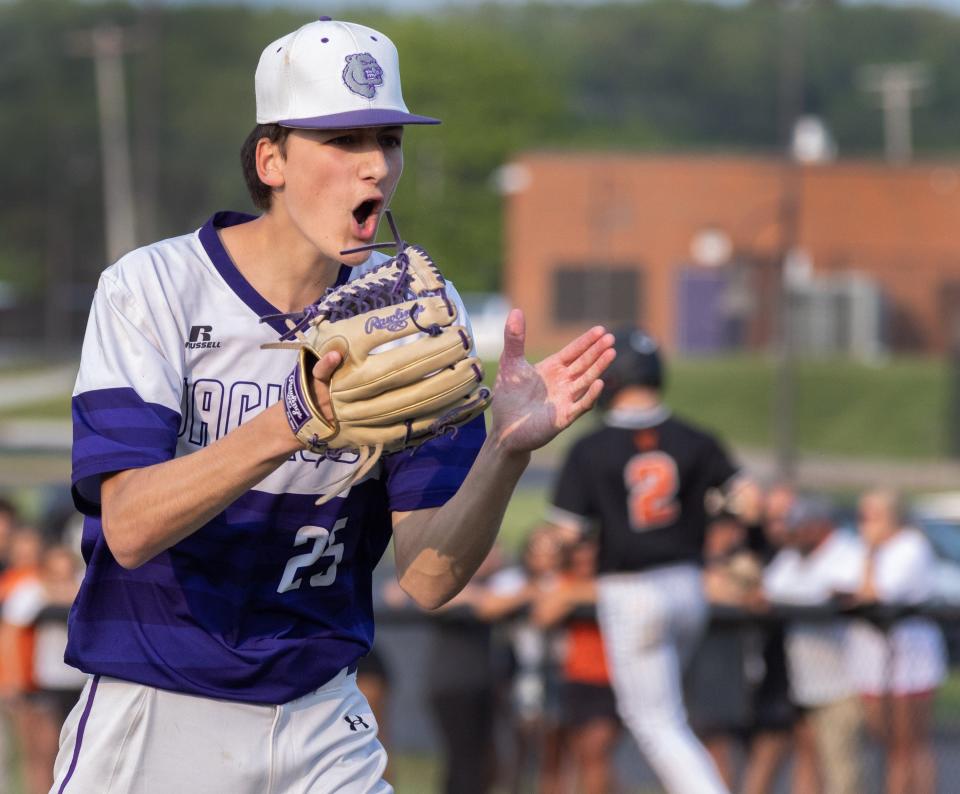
792	20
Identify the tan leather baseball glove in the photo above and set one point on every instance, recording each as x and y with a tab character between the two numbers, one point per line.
407	373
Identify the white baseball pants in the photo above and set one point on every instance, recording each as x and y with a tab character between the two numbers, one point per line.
125	738
651	622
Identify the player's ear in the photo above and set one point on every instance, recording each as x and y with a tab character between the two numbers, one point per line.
270	161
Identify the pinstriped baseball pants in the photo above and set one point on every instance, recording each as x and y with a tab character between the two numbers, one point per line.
651	623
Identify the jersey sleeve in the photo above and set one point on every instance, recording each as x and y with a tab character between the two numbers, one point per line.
718	468
126	404
428	475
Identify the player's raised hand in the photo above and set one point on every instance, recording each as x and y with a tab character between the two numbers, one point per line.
532	403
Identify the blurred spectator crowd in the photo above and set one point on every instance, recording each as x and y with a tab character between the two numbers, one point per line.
819	643
40	573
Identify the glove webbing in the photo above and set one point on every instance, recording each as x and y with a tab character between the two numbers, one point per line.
366	294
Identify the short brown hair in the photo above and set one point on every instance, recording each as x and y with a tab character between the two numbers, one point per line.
260	194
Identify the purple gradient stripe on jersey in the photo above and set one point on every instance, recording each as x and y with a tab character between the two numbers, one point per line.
81	727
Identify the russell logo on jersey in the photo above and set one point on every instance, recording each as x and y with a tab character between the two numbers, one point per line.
201	337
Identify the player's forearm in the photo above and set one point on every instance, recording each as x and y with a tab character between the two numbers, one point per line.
145	511
437	552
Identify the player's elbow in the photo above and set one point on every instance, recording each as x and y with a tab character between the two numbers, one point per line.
430	604
428	577
429	601
129	561
127	556
428	595
127	549
128	528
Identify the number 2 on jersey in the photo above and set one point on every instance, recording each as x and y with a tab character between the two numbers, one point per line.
652	483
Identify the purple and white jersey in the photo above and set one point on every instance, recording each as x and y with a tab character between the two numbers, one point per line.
271	598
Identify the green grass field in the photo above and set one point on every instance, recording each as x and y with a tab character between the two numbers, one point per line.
843	408
896	410
51	408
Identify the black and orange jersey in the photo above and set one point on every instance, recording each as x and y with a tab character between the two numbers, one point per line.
641	481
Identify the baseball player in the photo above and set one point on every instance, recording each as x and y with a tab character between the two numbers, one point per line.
641	481
223	612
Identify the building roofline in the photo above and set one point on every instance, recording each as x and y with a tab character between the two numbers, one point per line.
921	165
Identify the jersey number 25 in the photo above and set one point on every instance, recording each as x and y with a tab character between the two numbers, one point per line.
652	483
324	545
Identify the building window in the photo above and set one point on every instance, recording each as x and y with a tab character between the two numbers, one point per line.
595	293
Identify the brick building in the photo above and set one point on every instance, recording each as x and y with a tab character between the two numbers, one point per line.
648	239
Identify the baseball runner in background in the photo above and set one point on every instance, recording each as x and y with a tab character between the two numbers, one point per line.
223	611
641	482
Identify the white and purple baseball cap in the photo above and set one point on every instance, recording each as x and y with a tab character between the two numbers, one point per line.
332	75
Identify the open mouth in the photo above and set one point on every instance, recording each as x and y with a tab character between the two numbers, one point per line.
363	212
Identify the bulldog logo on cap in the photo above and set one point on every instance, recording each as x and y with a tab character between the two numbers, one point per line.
362	74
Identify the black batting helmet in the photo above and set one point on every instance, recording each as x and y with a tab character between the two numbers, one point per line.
638	363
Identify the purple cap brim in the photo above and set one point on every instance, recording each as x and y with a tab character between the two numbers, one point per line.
355	119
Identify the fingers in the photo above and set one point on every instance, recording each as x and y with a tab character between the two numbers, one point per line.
582	344
592	356
326	365
579	407
594	371
322	373
584	371
514	335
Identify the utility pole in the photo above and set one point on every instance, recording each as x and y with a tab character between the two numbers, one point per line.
148	89
899	86
792	19
106	45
